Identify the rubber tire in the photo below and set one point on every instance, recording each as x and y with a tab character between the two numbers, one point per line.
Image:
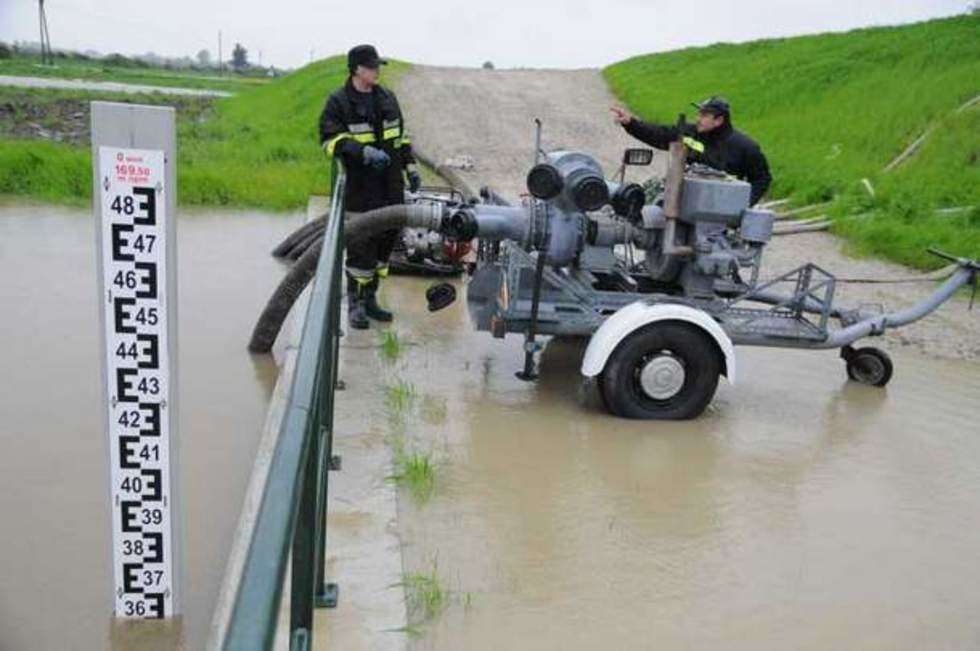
620	388
875	356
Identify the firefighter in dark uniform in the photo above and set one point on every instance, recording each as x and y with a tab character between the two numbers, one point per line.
712	141
363	125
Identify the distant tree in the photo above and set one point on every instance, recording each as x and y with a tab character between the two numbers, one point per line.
204	58
488	65
5	51
239	57
151	58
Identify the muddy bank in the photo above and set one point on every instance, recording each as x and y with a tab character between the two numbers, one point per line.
487	115
59	116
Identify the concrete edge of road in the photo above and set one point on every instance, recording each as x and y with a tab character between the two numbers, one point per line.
364	550
363	553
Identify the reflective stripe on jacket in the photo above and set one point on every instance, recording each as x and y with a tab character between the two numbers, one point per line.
724	148
351	120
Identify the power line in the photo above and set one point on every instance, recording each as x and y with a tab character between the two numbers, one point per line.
46	56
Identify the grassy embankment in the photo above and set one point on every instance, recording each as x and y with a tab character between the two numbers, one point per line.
833	109
256	149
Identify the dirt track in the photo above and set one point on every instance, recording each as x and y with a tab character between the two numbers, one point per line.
488	115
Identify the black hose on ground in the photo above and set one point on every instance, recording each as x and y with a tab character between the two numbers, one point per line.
356	226
298	236
305	244
292	285
360	225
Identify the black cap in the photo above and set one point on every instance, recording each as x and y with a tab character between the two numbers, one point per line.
364	55
715	104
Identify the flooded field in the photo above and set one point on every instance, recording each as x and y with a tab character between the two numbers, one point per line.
54	549
801	511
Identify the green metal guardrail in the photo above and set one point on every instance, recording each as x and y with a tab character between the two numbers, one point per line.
292	515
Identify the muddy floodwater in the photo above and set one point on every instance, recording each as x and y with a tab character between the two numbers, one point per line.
55	582
802	511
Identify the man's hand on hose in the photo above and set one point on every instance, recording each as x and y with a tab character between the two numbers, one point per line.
414	180
375	158
621	114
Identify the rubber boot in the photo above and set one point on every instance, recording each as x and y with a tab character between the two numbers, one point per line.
371	307
356	304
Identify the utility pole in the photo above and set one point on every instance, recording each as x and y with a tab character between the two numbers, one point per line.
46	55
221	63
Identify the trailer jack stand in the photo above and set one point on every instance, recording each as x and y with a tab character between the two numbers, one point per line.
528	373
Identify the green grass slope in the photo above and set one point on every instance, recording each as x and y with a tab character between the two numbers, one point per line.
259	148
832	109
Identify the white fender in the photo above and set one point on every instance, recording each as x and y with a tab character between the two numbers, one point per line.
636	315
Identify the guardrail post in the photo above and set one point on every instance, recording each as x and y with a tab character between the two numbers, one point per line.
304	548
327	593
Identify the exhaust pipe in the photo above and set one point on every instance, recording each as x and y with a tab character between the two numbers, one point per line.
673	186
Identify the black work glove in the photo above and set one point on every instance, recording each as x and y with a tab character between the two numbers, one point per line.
414	180
375	158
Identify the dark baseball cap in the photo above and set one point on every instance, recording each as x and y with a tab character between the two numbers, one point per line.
715	104
364	55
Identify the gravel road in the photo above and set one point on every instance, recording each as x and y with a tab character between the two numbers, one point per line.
487	116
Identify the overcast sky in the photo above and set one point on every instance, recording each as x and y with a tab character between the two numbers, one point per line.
569	34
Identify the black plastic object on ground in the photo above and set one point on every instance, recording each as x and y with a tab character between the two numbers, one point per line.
440	296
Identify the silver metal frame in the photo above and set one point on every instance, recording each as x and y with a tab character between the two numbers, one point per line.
761	316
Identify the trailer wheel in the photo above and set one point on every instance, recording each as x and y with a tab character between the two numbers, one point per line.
868	365
665	371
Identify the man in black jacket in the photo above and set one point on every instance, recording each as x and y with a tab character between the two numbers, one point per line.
711	141
362	123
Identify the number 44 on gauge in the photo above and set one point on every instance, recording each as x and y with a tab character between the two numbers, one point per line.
138	383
